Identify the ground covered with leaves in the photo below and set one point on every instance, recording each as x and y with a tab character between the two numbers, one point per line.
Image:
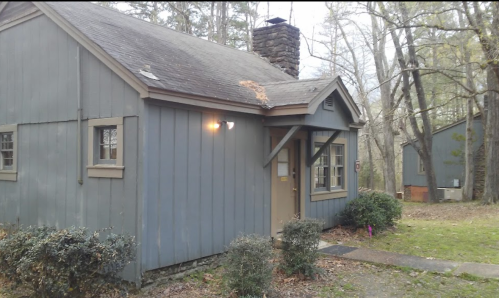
341	278
456	228
463	232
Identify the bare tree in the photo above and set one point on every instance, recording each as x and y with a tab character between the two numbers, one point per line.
411	68
486	27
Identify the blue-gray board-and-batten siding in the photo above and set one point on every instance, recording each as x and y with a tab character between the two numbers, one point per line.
329	210
203	187
38	83
47	191
447	166
38	78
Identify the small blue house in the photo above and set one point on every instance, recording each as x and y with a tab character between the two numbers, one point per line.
448	143
108	120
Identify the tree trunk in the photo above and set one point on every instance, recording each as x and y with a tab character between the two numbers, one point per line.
388	142
469	162
371	163
468	153
490	194
370	184
211	21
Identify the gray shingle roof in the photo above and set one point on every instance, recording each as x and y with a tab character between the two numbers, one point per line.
184	63
295	92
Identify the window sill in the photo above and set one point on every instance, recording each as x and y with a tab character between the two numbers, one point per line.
105	171
327	195
8	175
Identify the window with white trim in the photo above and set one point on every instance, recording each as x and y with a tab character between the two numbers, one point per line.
105	148
8	152
108	144
329	168
329	172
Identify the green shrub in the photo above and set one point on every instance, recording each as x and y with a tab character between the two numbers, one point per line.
392	208
15	246
61	263
300	243
376	209
248	270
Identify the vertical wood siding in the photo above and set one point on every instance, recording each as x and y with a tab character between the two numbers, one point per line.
329	210
38	92
202	187
38	78
447	167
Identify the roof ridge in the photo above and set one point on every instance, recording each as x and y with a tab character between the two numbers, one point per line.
297	81
186	34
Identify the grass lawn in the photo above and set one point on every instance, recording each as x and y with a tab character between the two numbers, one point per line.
464	232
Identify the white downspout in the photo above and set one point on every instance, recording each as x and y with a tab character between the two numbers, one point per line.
78	96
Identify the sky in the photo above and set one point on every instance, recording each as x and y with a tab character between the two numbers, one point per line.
306	16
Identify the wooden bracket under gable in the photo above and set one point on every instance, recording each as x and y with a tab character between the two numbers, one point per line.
312	159
292	131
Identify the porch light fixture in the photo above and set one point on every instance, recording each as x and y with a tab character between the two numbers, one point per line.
229	124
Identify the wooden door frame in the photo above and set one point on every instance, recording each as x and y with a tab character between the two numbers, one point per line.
300	156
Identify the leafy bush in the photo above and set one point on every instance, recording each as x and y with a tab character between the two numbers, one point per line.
69	262
248	270
392	208
15	246
300	243
379	210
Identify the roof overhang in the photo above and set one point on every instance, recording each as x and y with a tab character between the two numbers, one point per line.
336	85
476	116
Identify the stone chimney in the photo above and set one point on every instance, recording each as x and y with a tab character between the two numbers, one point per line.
280	43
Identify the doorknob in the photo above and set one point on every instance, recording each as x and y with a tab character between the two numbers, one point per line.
294	189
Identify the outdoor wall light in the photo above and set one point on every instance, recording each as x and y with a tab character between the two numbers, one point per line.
230	125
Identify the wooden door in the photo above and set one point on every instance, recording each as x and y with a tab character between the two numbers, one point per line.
285	186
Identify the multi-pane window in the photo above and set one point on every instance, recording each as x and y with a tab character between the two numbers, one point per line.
321	168
108	144
336	166
105	148
329	168
6	151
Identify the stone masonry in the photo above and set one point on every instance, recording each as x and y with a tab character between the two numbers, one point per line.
280	44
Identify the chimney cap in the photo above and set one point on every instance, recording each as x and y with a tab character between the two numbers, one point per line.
275	20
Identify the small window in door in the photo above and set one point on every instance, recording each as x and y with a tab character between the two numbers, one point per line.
283	163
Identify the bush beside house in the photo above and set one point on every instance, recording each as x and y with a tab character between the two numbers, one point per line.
375	209
300	243
62	263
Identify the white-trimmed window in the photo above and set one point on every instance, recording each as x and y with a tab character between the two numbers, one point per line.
105	148
8	152
329	171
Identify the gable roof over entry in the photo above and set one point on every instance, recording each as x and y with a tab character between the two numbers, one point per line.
189	70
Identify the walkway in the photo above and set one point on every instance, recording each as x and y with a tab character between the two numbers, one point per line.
395	259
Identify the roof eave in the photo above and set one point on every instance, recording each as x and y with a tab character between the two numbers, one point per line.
203	101
336	84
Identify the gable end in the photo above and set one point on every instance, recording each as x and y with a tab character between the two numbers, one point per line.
14	11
